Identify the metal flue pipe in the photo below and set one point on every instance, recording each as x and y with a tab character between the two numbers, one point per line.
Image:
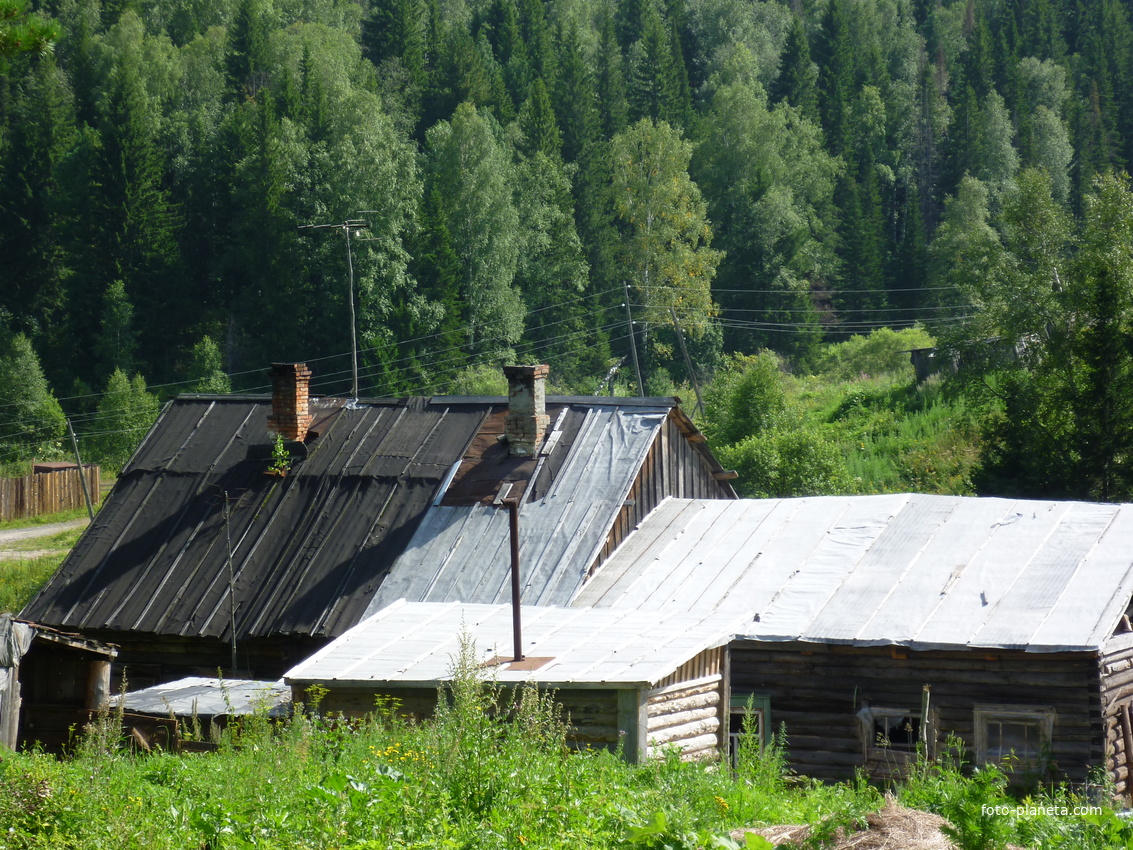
516	625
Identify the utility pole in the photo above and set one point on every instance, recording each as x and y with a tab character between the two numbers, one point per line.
82	472
231	582
633	342
688	361
347	227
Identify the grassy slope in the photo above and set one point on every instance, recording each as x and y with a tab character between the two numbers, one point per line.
21	576
896	436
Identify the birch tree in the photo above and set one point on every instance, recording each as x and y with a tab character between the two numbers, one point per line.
666	243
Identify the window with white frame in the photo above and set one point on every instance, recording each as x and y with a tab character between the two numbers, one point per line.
1016	736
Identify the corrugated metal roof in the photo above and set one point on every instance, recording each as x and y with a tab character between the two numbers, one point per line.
910	570
417	643
462	553
198	696
308	550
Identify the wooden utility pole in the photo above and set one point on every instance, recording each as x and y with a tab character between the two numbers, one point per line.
346	227
82	472
633	342
688	362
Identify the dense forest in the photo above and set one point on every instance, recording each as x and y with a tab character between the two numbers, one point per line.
530	179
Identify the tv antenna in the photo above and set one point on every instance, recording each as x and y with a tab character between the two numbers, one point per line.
347	227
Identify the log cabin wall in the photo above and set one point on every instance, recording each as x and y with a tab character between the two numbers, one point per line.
686	710
591	714
671	468
816	692
413	704
1116	670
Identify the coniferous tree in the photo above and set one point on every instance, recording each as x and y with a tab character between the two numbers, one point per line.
610	77
540	43
797	80
133	223
834	57
537	121
41	134
576	100
551	271
246	56
437	268
116	345
654	85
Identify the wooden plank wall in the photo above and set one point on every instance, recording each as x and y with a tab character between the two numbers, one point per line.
671	468
591	714
1116	670
687	710
816	692
46	492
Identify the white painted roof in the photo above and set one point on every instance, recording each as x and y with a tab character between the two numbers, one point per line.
910	570
417	643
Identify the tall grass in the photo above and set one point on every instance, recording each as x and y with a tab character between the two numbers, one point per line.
491	770
21	579
895	435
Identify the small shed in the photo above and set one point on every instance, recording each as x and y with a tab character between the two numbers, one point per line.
50	683
618	675
873	623
181	715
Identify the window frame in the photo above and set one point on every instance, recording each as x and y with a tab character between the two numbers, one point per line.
1042	716
737	713
873	751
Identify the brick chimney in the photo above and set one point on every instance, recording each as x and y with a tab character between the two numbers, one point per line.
290	413
527	418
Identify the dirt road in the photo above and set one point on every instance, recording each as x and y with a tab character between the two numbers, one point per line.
15	535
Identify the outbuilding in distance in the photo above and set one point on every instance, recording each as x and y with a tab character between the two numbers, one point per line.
619	675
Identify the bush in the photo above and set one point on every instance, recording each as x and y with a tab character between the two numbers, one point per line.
788	462
883	352
745	399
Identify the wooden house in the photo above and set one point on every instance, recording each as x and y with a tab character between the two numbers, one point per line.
620	676
873	623
211	553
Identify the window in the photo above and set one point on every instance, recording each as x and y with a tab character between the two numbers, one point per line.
755	711
889	731
1018	736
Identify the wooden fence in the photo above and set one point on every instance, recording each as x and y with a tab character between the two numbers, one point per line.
46	492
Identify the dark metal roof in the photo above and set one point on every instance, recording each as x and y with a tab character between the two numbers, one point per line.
308	550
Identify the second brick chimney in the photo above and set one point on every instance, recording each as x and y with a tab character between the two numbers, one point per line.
290	411
527	418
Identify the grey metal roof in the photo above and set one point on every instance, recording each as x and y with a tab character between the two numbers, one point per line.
198	696
462	553
417	643
911	570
